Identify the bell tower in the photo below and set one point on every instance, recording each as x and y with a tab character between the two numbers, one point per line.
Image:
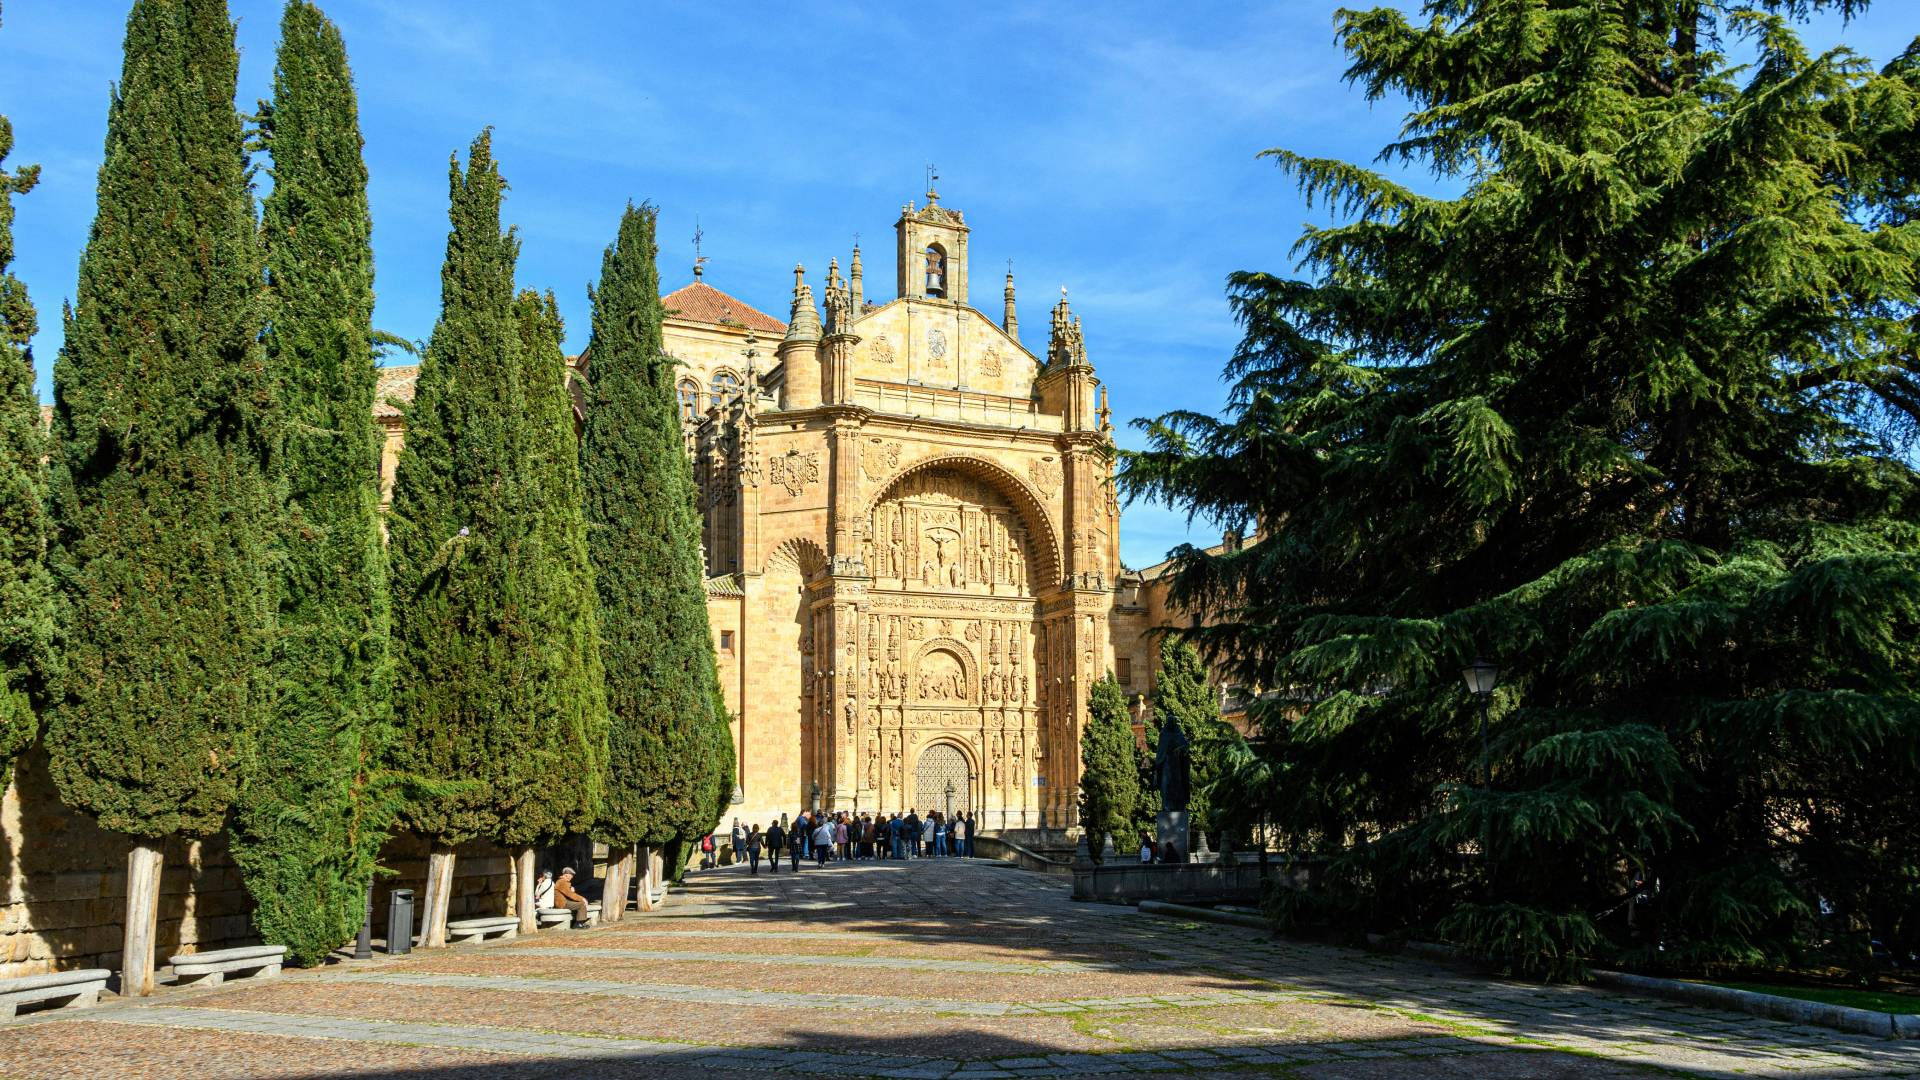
932	249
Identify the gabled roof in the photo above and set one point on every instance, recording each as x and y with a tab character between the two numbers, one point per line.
702	303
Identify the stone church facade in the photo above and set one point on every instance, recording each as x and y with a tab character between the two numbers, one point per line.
911	534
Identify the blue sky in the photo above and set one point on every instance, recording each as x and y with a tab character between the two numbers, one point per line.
1113	154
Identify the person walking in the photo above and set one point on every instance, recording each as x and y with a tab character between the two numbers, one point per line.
776	843
926	832
797	842
910	833
895	838
751	845
843	839
739	838
939	834
973	826
708	855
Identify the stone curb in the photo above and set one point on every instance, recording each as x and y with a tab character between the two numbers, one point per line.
1772	1007
1187	911
1791	1010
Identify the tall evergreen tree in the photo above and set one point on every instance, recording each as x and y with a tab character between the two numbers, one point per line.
26	590
481	675
669	743
1181	695
161	499
1631	415
573	704
1109	782
310	819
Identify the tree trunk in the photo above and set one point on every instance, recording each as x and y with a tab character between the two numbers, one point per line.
143	917
433	913
656	873
644	900
523	891
613	906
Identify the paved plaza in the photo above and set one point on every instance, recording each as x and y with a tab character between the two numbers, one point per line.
943	968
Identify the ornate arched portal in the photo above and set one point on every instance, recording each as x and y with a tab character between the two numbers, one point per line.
950	640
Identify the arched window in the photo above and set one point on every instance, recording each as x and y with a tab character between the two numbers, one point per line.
689	399
726	387
936	270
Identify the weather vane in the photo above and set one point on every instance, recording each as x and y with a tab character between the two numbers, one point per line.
933	177
699	260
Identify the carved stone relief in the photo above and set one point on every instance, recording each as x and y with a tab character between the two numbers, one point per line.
879	457
796	470
882	349
1045	474
990	364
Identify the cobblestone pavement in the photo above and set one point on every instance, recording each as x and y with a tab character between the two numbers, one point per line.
946	968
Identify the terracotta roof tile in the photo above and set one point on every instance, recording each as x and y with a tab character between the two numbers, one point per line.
701	302
395	385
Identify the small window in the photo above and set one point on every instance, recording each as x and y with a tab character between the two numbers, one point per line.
936	271
1123	670
689	399
726	387
726	641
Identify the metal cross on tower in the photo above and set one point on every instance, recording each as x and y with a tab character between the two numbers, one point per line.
699	260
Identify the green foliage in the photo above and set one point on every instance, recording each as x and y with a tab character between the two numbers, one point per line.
484	695
1109	770
670	767
310	819
26	589
1632	415
573	704
164	431
1181	694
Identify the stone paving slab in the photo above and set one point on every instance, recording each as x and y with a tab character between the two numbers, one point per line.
937	969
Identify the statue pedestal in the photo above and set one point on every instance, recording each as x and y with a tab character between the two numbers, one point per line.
1172	825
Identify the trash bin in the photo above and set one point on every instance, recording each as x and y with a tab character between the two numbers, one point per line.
400	922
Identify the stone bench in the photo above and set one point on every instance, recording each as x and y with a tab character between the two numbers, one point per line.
212	968
504	927
70	989
559	916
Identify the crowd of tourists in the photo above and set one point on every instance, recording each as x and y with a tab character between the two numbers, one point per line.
843	837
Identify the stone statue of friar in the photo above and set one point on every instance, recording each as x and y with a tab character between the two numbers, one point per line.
1171	763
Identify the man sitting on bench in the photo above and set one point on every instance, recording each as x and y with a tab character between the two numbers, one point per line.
565	896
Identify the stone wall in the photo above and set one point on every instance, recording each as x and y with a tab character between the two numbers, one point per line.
66	882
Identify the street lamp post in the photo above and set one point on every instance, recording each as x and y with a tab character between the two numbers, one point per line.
1481	677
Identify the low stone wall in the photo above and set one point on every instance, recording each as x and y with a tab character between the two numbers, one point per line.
66	881
1006	850
1183	883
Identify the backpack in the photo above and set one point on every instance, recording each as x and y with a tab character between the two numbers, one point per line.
706	842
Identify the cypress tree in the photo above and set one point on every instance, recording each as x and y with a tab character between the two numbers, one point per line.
1109	782
1631	415
26	590
572	704
310	820
481	685
670	747
161	500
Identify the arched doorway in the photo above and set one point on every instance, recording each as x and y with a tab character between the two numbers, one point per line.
942	780
950	652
